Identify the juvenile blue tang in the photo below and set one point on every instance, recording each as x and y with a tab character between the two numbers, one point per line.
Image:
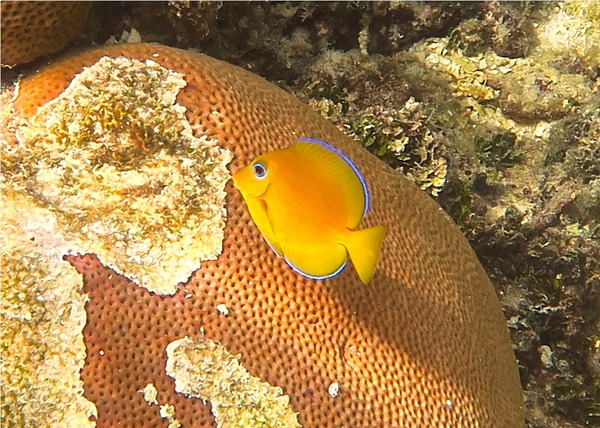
308	201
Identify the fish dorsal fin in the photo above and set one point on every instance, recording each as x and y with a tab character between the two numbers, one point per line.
347	162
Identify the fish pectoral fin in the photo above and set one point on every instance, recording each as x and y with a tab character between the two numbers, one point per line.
364	247
317	261
259	212
270	237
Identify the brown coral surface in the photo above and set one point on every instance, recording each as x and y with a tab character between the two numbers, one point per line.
425	344
33	28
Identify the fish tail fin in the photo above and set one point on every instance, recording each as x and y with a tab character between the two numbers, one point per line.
363	247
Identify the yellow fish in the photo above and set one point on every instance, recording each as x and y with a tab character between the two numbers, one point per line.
308	200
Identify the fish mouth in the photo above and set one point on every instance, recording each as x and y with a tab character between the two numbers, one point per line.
236	177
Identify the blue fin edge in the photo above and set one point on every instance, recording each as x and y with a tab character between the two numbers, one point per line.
341	268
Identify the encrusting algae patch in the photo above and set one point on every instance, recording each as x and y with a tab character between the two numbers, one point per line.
205	369
115	158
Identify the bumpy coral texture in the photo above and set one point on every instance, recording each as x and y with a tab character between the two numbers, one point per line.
424	344
32	29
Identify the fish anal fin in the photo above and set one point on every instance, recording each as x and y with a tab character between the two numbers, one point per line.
259	212
316	261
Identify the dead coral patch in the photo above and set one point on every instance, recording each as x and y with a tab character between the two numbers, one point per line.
116	159
207	370
42	315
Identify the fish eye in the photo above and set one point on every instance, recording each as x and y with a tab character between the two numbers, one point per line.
259	170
